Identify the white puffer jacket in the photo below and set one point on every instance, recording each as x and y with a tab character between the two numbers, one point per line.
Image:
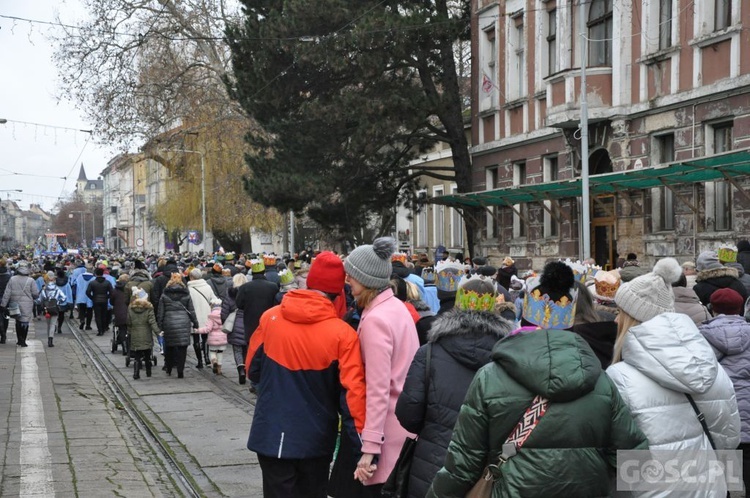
663	359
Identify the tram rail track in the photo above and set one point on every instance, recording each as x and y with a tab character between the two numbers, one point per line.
171	454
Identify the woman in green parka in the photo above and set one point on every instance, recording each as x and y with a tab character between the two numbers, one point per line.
574	446
142	327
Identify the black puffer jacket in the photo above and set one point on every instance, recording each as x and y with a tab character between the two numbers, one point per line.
99	290
709	281
176	316
120	299
462	343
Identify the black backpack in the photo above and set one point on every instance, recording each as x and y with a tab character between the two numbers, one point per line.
50	304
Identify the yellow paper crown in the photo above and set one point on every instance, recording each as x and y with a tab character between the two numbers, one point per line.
727	254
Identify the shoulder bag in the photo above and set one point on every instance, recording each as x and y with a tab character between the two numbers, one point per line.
397	484
702	420
518	436
228	324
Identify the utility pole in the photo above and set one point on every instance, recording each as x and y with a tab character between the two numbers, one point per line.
585	201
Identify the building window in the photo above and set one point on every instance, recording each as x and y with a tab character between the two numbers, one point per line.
722	14
722	135
665	144
457	224
600	33
516	74
551	228
665	24
552	41
493	227
519	225
422	220
438	222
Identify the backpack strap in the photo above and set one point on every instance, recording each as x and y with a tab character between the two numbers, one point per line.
701	419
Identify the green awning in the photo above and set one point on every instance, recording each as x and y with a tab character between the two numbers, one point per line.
702	169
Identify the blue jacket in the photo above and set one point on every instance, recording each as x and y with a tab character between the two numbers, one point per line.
82	283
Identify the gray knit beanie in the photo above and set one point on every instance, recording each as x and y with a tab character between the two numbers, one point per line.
370	265
650	295
707	260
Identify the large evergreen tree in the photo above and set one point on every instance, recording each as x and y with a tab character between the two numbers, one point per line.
347	93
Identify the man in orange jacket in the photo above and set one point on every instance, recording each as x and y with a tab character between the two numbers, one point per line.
307	364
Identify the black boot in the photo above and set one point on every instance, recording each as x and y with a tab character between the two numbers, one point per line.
19	334
137	369
197	349
49	343
241	372
148	367
24	334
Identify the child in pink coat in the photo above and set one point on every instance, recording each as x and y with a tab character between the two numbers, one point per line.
217	338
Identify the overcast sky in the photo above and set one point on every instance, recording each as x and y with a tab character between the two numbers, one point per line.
35	158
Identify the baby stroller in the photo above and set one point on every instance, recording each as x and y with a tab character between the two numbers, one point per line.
117	341
131	354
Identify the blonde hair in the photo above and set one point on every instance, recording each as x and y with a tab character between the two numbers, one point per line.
175	279
368	295
238	280
412	291
624	323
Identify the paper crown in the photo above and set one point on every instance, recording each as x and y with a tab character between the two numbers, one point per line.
606	284
256	265
543	312
449	275
399	256
471	300
580	271
297	264
727	253
286	277
428	275
269	259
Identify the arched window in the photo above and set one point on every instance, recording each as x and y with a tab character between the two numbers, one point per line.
600	33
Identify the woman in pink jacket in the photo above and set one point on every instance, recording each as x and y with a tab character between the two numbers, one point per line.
388	340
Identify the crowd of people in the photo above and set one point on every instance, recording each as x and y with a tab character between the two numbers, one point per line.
537	377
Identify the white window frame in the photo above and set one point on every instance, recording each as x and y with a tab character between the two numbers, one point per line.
662	216
421	222
550	173
516	78
457	223
491	176
713	190
519	179
438	218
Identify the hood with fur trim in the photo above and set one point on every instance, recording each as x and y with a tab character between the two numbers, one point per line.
469	336
724	271
141	304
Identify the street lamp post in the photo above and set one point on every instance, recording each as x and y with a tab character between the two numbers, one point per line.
203	189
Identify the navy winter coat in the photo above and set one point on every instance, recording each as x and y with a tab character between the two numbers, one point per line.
462	343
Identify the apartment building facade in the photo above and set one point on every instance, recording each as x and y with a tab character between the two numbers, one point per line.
668	89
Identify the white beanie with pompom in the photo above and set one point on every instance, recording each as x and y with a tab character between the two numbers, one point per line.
651	294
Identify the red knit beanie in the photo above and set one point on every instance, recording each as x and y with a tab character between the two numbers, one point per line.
326	273
726	302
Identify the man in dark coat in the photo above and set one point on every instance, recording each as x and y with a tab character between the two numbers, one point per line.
743	255
255	297
712	276
99	291
218	282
